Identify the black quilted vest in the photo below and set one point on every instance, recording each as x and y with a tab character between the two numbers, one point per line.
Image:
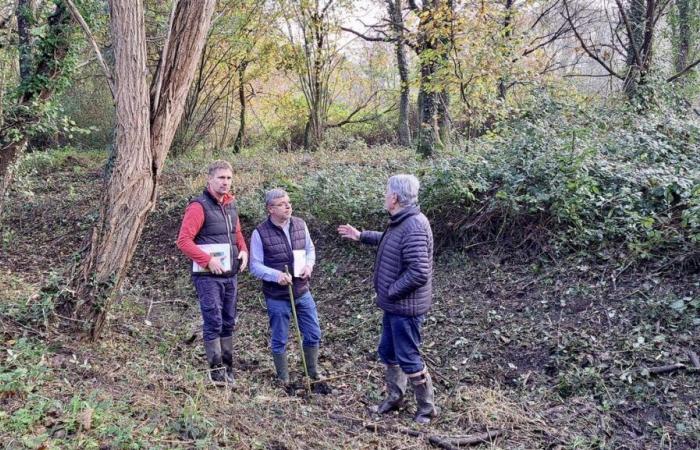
277	254
219	228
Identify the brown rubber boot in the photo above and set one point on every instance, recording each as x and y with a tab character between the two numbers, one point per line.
395	389
425	397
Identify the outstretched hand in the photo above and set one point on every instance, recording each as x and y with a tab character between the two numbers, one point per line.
347	231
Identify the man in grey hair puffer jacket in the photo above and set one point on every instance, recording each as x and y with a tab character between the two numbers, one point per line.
403	281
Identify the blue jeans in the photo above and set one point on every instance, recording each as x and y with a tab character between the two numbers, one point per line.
280	311
400	342
217	302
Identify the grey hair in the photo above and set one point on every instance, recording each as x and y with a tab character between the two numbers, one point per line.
274	194
405	187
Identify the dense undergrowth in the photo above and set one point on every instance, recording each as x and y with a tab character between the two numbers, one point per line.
565	177
616	185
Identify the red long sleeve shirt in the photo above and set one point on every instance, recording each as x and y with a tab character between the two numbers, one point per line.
193	222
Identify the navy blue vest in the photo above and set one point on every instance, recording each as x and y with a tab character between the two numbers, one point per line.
277	254
219	228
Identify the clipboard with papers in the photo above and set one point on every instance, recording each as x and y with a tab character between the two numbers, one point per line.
221	251
299	262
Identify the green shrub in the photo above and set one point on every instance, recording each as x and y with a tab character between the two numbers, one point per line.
563	177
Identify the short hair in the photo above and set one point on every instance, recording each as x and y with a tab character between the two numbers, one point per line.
274	194
405	187
218	165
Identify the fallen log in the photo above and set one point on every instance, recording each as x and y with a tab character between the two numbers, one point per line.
470	439
376	428
665	369
441	443
444	442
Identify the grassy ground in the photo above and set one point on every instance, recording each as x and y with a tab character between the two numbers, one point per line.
553	353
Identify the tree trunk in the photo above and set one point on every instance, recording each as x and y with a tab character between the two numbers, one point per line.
428	134
240	137
130	193
507	32
444	120
636	17
684	28
433	48
404	130
681	59
42	74
9	157
25	19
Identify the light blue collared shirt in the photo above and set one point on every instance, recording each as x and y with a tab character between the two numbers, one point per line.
257	256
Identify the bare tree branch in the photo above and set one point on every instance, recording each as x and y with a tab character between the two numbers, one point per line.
348	119
585	47
684	71
86	29
158	79
368	38
628	26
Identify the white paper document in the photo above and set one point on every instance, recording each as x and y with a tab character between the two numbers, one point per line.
221	251
299	262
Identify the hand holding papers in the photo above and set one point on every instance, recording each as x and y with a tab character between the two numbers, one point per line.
299	262
220	251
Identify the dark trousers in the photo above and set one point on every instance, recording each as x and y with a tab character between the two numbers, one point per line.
400	342
217	302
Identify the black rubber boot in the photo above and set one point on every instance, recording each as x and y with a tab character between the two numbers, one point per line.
425	397
320	386
281	367
227	358
396	381
311	357
217	373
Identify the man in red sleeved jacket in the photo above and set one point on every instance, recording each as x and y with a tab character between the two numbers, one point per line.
212	218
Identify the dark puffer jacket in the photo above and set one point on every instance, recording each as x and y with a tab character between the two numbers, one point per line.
403	269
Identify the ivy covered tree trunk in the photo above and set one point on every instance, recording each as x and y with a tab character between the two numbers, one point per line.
507	33
683	38
394	8
685	27
641	23
146	125
433	48
43	67
25	11
428	135
317	88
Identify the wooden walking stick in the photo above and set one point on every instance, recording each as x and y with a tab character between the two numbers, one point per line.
296	323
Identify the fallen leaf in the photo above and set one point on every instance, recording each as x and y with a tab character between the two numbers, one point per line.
85	418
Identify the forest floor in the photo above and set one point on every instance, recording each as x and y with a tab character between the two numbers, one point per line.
547	354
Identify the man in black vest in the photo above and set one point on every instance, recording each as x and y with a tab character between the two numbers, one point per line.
403	274
211	236
284	240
